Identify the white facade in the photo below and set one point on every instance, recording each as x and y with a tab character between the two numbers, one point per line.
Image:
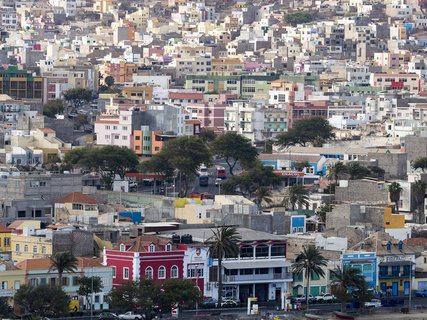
115	131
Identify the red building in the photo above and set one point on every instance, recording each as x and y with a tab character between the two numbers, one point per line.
145	257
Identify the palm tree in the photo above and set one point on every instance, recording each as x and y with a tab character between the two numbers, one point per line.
296	195
223	243
63	262
394	189
310	261
345	280
263	193
356	171
337	170
419	189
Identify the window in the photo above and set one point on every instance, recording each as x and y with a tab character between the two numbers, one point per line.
125	273
124	137
107	127
148	273
125	128
77	206
174	272
116	136
107	137
168	247
195	271
26	248
261	251
4	285
152	248
246	252
44	249
17	247
277	250
75	281
6	242
114	127
122	247
65	281
17	284
261	271
137	138
161	273
34	249
114	272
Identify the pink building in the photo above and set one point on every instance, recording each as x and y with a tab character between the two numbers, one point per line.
306	109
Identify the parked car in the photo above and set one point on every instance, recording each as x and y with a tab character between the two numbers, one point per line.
301	298
374	303
107	316
130	315
421	293
229	303
325	298
208	304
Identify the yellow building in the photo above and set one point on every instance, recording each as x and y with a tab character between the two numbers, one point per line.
5	234
142	93
28	242
392	220
11	279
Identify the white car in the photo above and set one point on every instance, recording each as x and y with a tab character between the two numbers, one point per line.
374	303
130	315
325	298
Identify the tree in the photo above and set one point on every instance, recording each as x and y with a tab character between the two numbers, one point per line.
394	190
63	262
108	161
207	135
300	166
323	210
78	96
125	297
184	154
223	243
419	192
109	81
346	280
5	308
376	172
177	290
52	108
309	130
310	262
420	163
88	286
234	147
263	193
80	121
337	170
296	195
298	18
42	300
356	171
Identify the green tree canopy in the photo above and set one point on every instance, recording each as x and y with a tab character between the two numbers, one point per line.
309	261
207	135
42	300
89	285
296	195
420	163
5	309
234	147
298	18
356	171
52	108
108	161
394	190
184	154
177	290
310	130
419	193
323	210
109	81
223	243
78	96
346	281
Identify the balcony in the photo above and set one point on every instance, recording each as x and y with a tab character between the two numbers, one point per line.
7	293
285	276
393	275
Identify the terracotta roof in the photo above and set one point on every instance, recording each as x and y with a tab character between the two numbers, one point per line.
192	121
185	95
47	130
77	197
140	243
4	229
46	263
16	224
416	242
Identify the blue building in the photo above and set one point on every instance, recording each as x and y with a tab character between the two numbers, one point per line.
367	262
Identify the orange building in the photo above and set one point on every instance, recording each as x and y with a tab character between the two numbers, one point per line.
147	142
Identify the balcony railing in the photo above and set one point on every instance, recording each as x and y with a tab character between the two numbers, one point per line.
7	293
257	277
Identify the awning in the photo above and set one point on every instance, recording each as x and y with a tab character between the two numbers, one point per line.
251	264
396	263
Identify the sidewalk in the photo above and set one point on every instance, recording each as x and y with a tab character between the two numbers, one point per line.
388	316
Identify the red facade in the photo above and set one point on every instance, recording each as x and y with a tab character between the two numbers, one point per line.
146	257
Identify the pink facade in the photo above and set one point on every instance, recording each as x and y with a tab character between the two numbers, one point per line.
306	109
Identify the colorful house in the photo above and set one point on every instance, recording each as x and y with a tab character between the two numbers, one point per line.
11	279
145	257
76	207
367	263
5	241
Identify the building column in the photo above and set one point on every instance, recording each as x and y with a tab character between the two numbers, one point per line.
136	267
253	290
104	257
282	296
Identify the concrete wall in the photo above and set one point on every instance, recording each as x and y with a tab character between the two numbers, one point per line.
415	147
78	242
355	214
394	164
365	191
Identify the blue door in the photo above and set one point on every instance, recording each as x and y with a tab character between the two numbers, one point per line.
406	288
395	289
383	287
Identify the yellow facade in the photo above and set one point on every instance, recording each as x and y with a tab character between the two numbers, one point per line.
10	280
392	220
30	247
5	241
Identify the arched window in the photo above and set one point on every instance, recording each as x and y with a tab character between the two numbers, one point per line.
161	273
174	272
25	248
122	247
148	273
152	248
168	247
